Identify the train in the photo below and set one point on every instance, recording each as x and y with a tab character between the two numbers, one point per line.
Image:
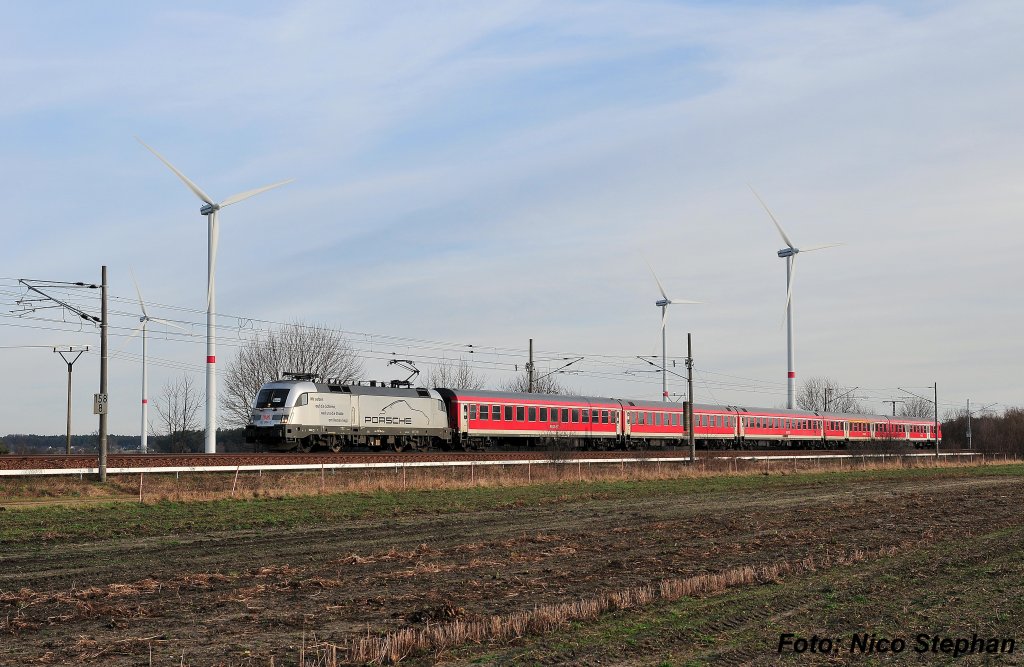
304	412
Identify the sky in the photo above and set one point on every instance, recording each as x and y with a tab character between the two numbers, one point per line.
469	176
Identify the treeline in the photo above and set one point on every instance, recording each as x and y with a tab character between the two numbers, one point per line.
990	433
228	440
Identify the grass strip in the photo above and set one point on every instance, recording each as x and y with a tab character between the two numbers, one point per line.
107	521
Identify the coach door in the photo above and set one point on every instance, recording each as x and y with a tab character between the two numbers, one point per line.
464	422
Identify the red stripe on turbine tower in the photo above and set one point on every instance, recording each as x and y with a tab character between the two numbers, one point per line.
792	374
211	360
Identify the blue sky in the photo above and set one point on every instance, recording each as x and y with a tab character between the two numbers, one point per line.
484	173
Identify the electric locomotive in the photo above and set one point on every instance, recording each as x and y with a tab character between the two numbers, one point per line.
300	412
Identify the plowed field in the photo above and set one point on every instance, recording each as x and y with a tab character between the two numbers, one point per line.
263	582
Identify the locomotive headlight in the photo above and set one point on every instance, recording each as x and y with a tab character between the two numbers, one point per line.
284	420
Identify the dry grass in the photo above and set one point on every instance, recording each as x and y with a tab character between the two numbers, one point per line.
246	485
392	647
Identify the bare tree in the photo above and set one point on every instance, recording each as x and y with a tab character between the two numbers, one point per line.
295	348
454	375
542	384
814	392
178	413
915	406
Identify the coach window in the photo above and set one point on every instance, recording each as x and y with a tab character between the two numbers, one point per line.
604	416
472	410
565	415
496	412
595	416
485	411
508	413
554	414
520	413
586	416
615	417
533	414
543	414
575	416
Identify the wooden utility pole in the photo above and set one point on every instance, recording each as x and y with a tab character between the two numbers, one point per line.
689	402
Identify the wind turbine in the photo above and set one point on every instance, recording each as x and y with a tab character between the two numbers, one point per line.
209	209
144	320
789	253
664	302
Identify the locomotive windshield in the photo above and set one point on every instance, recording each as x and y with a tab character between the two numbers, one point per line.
271	398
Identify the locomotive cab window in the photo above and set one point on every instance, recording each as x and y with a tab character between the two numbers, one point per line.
271	398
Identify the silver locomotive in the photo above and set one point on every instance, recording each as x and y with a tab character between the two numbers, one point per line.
301	412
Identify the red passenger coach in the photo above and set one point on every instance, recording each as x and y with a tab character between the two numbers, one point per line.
715	425
792	427
653	421
484	419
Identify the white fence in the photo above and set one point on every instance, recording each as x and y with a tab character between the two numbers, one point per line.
443	464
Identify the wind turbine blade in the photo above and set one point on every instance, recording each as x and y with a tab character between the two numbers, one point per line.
660	288
213	261
772	216
133	334
820	247
142	304
682	301
184	179
169	323
234	199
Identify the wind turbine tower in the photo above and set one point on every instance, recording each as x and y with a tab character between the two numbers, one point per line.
664	302
144	320
789	253
209	209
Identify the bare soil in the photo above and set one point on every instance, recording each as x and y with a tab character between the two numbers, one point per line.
258	597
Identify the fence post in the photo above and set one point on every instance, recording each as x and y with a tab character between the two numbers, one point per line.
235	481
140	486
529	473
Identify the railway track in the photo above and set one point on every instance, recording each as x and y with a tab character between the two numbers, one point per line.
55	461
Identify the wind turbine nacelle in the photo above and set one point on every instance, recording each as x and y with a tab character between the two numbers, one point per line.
788	252
662	302
209	208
